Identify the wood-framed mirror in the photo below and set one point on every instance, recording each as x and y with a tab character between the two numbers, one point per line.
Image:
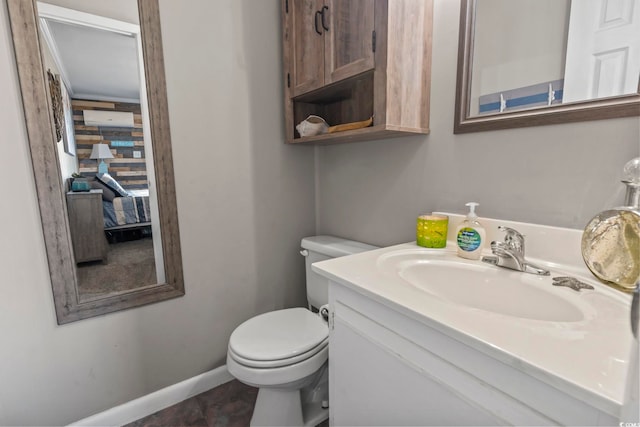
539	62
148	137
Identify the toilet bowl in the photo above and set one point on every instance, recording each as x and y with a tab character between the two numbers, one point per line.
284	353
281	353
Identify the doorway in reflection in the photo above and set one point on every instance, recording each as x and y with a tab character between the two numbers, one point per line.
531	54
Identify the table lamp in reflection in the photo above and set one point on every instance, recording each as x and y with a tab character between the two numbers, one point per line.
101	152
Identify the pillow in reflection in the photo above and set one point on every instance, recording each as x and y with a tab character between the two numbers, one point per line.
107	193
108	180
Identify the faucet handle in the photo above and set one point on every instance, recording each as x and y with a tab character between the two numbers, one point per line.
513	238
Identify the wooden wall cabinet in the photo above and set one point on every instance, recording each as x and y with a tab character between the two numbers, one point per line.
331	40
349	60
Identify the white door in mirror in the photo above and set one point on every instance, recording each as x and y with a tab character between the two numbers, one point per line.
603	50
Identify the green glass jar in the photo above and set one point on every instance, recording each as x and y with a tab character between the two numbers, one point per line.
431	231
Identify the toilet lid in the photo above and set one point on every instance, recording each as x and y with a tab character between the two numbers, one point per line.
280	334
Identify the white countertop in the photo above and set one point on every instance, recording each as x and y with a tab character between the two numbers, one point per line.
587	359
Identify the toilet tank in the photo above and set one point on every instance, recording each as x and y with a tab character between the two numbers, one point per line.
320	248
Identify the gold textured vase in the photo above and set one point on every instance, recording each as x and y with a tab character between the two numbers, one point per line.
611	240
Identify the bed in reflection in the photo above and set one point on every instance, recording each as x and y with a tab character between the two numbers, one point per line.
127	212
122	209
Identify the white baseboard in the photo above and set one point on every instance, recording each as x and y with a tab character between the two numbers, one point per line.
158	400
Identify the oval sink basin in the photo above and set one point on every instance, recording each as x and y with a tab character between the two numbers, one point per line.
484	287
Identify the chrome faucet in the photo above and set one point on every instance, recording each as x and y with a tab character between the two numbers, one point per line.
510	253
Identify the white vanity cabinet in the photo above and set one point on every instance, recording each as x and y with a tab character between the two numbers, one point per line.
389	367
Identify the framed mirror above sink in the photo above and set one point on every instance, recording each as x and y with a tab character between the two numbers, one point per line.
538	62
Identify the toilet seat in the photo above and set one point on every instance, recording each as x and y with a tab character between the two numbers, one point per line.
278	348
279	338
284	376
280	362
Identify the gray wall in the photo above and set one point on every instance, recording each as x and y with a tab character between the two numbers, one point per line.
244	201
558	175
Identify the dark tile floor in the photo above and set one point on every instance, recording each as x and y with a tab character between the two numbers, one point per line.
228	405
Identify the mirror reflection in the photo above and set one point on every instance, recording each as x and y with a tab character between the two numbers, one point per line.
96	82
531	54
52	138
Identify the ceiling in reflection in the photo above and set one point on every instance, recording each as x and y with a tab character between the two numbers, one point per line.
97	64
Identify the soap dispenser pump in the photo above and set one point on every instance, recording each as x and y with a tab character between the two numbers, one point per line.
470	235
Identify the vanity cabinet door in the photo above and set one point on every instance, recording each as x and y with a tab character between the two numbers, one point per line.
374	380
349	39
307	45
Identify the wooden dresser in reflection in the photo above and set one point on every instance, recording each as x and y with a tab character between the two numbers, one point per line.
87	225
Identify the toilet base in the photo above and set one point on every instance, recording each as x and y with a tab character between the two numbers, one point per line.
277	407
280	407
293	406
314	414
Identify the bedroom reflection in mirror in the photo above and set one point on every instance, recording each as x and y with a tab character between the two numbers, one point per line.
108	177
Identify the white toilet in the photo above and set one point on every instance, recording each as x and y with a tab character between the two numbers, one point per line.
284	352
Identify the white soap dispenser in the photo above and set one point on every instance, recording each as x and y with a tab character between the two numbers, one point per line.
470	235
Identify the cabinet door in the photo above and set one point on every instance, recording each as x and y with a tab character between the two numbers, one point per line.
373	383
349	39
306	46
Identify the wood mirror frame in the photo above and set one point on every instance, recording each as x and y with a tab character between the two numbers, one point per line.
50	191
605	108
